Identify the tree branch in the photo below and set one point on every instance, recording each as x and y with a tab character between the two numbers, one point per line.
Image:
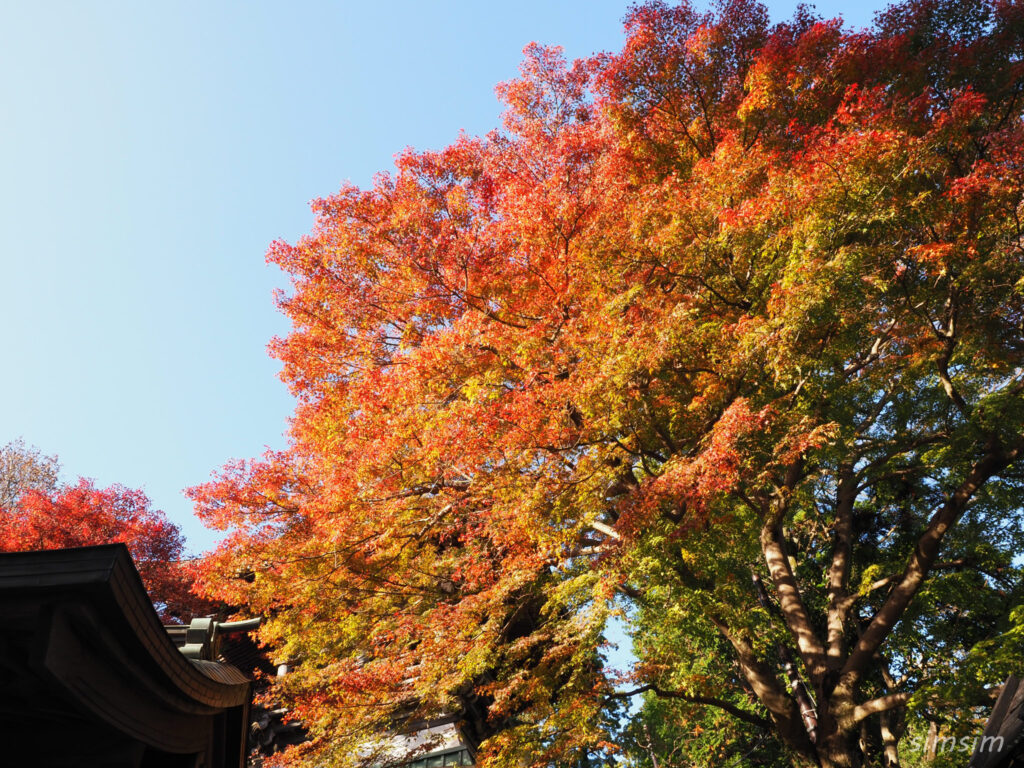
839	571
607	530
782	708
732	709
811	650
881	704
942	364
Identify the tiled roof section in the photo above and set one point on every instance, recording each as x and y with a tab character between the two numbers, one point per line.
224	673
270	729
105	579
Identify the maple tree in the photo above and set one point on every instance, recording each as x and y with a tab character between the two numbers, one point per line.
724	332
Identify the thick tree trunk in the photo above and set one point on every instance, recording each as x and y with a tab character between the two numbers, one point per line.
837	748
841	753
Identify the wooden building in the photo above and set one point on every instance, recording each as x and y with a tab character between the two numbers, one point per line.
90	677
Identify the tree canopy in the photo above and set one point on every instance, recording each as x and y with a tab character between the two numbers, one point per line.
722	333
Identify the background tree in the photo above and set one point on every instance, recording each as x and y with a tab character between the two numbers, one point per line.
24	467
728	324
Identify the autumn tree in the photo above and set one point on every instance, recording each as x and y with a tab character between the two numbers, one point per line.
723	331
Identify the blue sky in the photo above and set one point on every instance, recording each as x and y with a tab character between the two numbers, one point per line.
150	152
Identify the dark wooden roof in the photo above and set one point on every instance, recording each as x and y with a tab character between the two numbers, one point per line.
1002	744
89	676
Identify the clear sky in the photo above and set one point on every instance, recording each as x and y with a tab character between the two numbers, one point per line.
149	153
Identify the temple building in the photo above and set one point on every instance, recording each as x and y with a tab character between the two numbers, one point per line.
90	677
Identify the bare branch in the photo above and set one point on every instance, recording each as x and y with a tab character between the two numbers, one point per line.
607	530
950	389
785	713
